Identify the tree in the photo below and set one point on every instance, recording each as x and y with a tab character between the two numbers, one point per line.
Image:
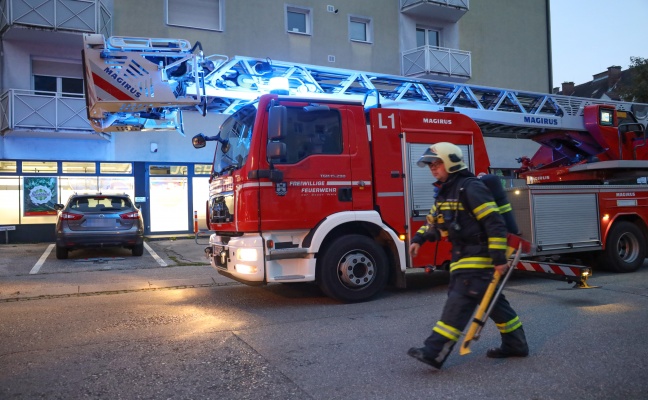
636	90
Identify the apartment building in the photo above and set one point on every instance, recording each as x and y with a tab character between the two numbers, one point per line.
46	139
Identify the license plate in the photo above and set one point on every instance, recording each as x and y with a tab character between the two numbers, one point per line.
100	223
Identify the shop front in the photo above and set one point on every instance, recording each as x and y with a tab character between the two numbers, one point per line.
168	194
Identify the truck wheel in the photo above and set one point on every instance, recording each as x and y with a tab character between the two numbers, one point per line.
353	268
625	248
61	253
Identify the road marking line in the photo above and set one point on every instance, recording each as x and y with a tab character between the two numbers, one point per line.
154	254
41	260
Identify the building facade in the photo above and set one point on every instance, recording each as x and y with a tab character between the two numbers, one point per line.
46	139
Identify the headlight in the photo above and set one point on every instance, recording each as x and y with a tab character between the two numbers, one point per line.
246	254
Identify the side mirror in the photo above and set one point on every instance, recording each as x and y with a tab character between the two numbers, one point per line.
277	121
59	207
276	151
199	141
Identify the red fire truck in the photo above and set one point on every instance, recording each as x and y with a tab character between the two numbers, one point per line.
315	180
582	197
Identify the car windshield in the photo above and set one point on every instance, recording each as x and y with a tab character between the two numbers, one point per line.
99	203
235	135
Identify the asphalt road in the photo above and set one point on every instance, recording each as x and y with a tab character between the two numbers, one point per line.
230	341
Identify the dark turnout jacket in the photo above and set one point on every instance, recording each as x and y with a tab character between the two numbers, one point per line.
465	211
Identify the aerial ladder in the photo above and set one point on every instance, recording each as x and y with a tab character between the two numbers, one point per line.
144	83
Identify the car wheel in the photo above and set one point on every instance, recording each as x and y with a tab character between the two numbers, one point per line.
138	250
61	253
352	268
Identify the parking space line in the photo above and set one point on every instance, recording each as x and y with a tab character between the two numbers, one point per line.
154	254
41	260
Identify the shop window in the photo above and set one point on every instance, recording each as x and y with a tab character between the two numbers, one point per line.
79	168
169	203
298	20
9	200
72	185
116	168
114	184
39	167
360	29
202	169
8	167
199	14
200	194
168	170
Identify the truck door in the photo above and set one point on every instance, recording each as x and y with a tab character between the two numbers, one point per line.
316	169
421	198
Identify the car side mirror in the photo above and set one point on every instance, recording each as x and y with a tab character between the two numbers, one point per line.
59	207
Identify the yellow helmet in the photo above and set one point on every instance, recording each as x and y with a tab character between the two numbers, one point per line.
449	153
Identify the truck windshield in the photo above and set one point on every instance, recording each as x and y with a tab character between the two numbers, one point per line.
234	146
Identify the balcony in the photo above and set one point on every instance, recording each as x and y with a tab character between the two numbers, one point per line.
44	112
83	16
431	62
446	10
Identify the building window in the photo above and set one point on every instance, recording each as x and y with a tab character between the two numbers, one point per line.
39	167
79	167
360	29
198	14
427	37
116	168
8	167
168	170
57	78
299	20
202	169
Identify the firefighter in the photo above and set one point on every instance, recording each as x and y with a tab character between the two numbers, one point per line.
466	214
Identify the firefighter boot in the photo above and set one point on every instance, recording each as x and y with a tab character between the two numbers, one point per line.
421	355
514	344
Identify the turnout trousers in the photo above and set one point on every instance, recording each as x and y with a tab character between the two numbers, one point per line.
465	291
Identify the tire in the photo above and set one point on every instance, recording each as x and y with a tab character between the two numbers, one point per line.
138	250
61	253
625	249
353	268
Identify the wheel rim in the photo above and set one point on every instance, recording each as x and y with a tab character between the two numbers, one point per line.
628	248
356	269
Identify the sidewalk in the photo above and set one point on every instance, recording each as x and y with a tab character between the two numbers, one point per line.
186	266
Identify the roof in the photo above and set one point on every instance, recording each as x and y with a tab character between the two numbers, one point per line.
604	85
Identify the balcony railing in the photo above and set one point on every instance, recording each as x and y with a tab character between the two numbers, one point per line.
448	10
428	61
86	16
27	110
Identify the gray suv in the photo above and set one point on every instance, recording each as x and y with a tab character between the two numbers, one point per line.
98	220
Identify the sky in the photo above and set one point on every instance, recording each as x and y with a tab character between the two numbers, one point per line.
588	36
